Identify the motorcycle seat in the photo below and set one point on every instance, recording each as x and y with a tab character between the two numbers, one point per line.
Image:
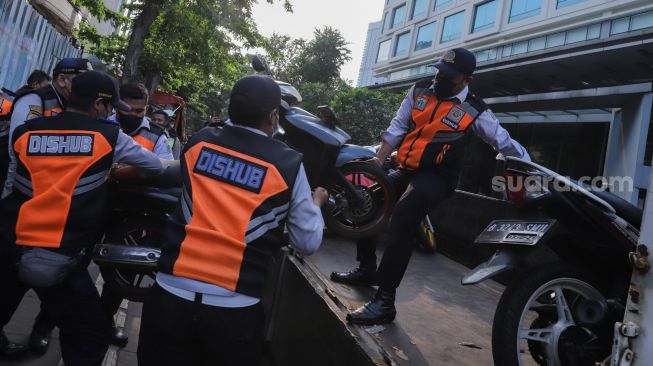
625	209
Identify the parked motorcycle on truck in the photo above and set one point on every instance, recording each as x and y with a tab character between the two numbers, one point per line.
570	266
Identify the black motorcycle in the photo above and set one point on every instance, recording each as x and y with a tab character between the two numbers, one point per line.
360	195
570	264
138	209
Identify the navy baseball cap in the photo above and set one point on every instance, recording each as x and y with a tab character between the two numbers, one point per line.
456	61
256	92
97	84
71	65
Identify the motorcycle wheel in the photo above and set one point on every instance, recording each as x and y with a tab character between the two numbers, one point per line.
426	240
372	215
548	316
136	231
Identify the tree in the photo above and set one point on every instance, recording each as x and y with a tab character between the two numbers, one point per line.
366	113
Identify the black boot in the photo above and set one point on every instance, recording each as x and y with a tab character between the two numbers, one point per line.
118	336
380	310
39	340
361	276
9	348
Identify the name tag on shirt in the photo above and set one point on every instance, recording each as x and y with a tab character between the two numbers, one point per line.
230	169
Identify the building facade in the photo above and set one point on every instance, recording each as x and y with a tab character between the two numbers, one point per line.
31	40
570	79
365	73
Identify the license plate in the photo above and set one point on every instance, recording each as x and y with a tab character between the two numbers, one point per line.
514	232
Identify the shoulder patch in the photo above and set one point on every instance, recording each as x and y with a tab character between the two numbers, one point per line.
420	103
35	111
454	117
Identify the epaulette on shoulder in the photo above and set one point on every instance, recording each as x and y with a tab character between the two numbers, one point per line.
108	121
477	102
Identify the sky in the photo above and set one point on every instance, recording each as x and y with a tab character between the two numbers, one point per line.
350	17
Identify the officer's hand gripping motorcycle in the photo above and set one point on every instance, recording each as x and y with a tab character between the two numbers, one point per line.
568	254
360	194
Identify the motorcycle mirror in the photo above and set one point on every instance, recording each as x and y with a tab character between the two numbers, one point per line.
258	64
328	115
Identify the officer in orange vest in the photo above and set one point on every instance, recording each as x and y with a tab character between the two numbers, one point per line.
240	188
57	204
431	131
149	135
46	101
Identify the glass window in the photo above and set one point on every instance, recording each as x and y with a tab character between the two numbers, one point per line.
384	51
441	3
419	8
484	15
555	40
401	47
522	9
398	16
536	44
385	22
519	47
425	36
641	21
486	55
564	3
453	26
576	35
507	50
594	31
620	25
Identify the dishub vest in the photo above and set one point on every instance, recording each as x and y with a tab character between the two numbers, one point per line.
439	129
59	191
236	196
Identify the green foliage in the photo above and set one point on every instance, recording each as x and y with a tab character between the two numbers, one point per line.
110	49
365	113
299	61
101	12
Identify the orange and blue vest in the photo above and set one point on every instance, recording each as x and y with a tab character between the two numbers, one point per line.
439	129
229	223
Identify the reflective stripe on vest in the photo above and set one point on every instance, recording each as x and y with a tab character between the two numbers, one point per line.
228	189
436	122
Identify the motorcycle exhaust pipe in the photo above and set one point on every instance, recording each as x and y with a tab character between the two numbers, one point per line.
127	257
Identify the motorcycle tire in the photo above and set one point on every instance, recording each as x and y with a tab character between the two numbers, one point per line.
139	231
426	240
506	340
374	218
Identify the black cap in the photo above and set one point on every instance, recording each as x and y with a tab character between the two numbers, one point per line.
456	61
97	84
256	92
71	66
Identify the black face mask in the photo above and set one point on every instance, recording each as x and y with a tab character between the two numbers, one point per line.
444	88
129	123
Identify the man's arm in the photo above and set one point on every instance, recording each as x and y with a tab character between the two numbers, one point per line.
305	223
162	148
487	127
131	153
399	126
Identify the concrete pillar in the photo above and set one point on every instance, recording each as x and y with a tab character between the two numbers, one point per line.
627	143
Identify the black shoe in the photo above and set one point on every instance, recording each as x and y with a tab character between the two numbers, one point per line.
39	340
361	276
380	310
9	348
119	337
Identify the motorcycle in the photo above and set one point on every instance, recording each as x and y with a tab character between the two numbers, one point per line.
138	209
571	268
360	195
